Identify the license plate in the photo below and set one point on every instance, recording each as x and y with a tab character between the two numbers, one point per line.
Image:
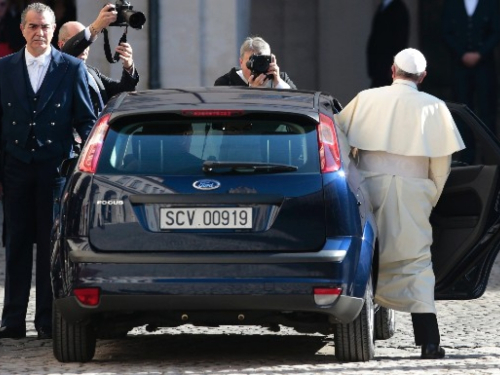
206	218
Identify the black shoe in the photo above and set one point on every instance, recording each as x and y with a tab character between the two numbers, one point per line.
44	333
432	351
7	332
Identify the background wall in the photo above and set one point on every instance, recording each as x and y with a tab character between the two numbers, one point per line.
320	43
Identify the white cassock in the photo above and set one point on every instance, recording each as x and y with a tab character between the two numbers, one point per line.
405	139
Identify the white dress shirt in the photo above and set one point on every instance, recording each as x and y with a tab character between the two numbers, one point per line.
37	67
470	6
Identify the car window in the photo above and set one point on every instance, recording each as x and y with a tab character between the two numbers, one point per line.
181	147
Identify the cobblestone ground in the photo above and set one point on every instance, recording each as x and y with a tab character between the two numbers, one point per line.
470	334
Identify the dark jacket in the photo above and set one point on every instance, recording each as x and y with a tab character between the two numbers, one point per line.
479	33
61	104
389	35
233	79
76	45
109	87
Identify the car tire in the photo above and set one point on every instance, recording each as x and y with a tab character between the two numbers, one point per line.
354	342
72	342
385	323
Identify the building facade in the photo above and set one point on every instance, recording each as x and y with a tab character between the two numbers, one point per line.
321	44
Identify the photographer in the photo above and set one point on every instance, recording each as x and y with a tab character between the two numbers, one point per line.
258	68
75	39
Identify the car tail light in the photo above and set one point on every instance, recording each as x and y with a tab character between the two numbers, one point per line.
93	146
326	296
329	152
88	296
212	112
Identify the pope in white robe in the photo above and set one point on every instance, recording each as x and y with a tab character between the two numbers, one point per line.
402	141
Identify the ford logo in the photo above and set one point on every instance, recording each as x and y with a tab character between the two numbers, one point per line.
206	184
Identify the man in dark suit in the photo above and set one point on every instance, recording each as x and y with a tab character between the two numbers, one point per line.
75	40
43	96
388	36
471	29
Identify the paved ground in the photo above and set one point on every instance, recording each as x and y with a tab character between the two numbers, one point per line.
470	334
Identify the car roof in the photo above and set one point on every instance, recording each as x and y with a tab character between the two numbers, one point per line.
221	97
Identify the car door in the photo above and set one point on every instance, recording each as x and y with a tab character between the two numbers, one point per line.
466	220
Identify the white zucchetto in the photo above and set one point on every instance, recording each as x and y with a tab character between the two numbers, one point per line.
411	61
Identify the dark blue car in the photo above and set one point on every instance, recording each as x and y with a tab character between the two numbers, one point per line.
220	206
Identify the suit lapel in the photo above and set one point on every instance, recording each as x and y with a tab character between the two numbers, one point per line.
18	79
55	73
479	9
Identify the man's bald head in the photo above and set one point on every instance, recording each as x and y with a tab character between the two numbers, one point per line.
67	31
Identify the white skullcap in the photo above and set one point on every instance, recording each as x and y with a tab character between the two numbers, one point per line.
411	61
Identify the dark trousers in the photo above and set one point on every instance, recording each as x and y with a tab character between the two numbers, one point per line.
477	87
425	329
28	199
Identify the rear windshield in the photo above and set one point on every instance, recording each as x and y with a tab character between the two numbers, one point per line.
181	146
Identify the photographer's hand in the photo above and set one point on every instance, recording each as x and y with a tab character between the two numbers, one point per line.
126	55
259	81
107	16
274	69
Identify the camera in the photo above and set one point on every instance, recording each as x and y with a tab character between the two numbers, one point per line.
127	16
259	64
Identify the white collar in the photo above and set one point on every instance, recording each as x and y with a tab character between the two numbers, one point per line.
240	73
405	82
43	59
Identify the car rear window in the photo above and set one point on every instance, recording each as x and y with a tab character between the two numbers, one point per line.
180	146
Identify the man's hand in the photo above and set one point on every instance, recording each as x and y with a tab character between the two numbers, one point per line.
470	59
126	55
106	17
274	69
259	81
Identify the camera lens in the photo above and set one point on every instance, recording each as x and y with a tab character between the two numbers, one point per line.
135	19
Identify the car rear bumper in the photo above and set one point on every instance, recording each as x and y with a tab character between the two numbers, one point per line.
210	281
344	310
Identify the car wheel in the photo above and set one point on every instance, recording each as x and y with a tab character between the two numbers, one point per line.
354	342
385	323
72	342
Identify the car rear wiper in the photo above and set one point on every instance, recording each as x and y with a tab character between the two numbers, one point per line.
210	166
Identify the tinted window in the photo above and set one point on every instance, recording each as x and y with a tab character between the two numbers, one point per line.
181	147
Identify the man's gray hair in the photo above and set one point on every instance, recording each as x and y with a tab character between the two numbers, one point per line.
255	44
38	8
411	76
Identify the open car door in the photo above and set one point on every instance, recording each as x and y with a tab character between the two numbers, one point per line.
466	220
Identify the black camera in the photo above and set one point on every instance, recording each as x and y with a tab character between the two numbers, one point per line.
259	64
127	16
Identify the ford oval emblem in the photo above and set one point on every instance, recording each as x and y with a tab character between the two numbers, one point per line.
206	184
